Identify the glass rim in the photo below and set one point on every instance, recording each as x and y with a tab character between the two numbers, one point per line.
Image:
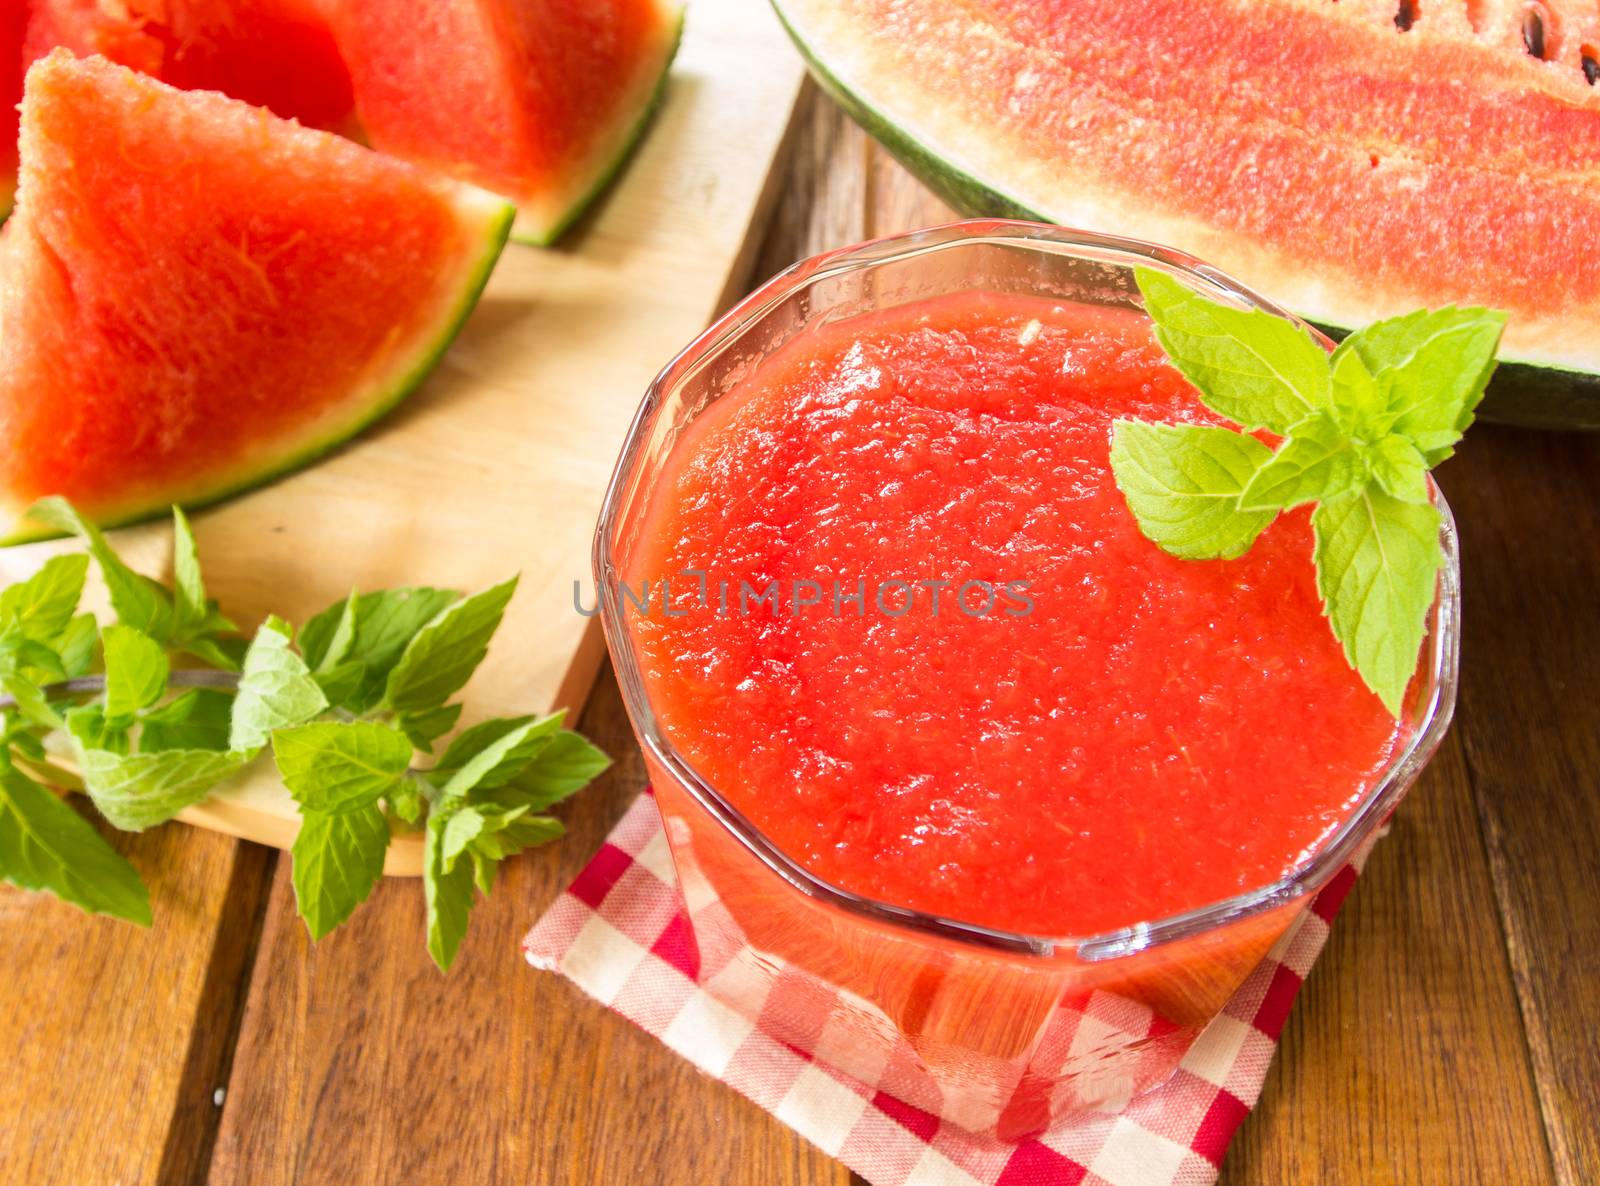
1437	666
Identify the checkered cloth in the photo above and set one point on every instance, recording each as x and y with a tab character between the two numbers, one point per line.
621	934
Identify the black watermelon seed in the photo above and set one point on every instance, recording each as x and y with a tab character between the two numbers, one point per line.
1533	33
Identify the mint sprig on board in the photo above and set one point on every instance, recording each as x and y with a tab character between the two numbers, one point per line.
348	708
1358	432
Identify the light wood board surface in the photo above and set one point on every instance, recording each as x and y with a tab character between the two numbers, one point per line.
498	463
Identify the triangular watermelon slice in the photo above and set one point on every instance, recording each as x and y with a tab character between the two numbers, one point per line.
196	296
278	54
13	20
539	100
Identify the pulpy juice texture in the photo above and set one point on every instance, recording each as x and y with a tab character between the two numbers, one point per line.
979	691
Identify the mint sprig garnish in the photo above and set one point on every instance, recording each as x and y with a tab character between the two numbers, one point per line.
1184	483
1359	429
344	709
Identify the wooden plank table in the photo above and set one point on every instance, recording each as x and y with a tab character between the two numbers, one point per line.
1446	1036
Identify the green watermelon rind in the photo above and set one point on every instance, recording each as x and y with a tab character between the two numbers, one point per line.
495	231
548	235
1526	394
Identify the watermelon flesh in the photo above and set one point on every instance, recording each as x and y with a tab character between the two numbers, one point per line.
535	99
195	295
1352	160
13	22
277	54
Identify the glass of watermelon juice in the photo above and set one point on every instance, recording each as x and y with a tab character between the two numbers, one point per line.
1007	853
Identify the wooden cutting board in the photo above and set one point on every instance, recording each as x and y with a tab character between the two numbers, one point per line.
498	463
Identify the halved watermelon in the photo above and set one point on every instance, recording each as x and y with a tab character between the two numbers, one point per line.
1351	159
196	296
539	100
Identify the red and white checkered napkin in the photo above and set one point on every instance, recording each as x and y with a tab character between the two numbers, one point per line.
620	933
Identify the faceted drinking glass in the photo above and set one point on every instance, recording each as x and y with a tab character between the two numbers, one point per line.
1002	1034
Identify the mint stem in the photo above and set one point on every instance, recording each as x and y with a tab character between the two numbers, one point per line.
196	677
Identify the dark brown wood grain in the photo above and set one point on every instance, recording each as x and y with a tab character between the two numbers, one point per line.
115	1037
1404	1060
1528	506
822	199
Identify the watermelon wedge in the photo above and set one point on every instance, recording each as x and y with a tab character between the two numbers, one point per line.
196	296
13	22
277	54
539	100
1352	159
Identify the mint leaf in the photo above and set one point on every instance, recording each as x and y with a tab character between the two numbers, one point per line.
328	638
1399	468
31	702
1433	366
1183	482
445	652
472	741
1358	402
136	672
494	834
501	759
24	742
1257	370
139	601
137	791
405	800
224	653
21	654
484	869
276	690
191	608
563	767
391	618
486	835
76	645
342	683
42	606
343	639
461	828
510	833
87	725
385	622
338	858
318	632
1377	562
447	894
1317	462
198	719
427	726
331	767
45	845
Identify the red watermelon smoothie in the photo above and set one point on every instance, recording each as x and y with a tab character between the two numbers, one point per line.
907	639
